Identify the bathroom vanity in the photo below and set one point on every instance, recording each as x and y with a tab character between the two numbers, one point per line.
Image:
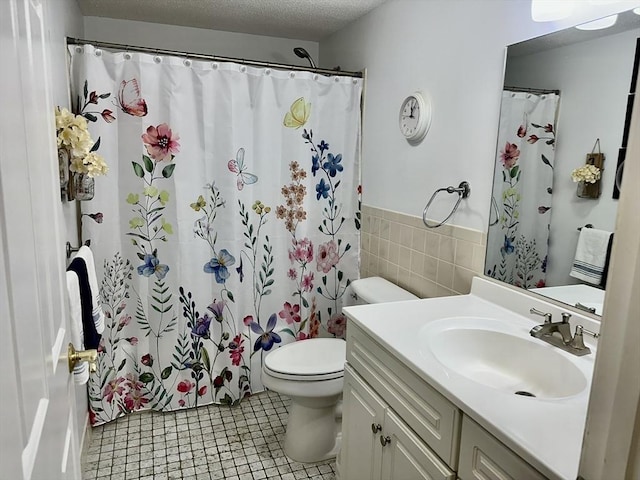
456	388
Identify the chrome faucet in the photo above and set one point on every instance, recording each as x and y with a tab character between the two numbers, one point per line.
569	343
549	327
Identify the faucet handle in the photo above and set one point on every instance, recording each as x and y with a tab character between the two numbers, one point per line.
547	316
589	332
565	317
578	341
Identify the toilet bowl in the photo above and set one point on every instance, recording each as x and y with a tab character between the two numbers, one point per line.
311	373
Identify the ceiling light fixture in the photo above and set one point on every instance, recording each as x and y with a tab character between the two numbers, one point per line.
599	24
550	10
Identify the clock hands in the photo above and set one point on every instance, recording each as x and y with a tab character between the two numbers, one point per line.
412	106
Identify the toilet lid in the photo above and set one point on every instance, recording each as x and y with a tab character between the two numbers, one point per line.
308	359
379	290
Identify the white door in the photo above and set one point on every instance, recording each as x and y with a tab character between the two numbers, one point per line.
37	401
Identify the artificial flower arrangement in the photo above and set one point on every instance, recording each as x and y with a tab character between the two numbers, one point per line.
74	137
588	179
587	173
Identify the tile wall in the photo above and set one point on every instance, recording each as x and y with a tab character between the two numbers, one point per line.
427	262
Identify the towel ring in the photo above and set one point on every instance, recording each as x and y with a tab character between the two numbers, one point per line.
494	205
463	191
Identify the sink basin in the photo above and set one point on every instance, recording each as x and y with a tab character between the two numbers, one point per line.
494	354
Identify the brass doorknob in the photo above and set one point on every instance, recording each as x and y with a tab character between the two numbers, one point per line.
74	357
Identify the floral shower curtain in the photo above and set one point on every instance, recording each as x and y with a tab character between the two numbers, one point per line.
517	245
228	224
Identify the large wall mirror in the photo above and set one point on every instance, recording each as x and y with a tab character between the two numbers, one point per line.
565	104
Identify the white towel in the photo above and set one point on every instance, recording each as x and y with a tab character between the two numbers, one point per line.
81	370
591	255
98	314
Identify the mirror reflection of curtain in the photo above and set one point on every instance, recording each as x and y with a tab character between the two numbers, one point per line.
517	245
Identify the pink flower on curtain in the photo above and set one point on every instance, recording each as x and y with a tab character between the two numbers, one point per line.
147	360
307	282
134	399
509	156
327	256
160	142
124	321
107	115
185	386
113	388
236	349
522	131
302	251
337	325
290	313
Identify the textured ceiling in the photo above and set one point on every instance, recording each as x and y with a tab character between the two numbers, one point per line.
297	19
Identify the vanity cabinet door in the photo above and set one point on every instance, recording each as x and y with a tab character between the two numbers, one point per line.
362	422
406	457
483	457
377	444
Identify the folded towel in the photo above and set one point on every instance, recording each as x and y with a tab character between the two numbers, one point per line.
90	334
591	255
98	314
81	370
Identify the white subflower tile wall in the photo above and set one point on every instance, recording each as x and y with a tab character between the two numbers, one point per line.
427	262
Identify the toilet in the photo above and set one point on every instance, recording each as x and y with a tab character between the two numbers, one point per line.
311	373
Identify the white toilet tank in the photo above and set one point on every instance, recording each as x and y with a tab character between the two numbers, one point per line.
375	290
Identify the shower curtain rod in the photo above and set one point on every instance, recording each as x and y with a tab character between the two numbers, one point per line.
215	58
530	90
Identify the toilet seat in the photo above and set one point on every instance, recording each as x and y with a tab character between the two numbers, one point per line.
312	360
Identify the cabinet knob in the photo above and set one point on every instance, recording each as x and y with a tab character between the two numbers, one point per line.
384	441
376	427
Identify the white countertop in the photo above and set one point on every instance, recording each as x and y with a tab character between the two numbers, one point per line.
547	433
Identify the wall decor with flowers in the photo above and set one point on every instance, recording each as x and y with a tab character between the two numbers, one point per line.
588	176
78	160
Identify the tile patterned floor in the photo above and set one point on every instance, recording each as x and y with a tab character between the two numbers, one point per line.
212	442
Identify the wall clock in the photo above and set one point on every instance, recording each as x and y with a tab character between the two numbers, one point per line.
415	117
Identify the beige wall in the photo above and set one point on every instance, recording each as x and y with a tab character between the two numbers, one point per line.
427	262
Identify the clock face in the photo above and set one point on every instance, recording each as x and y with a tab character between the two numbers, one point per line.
414	118
409	116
